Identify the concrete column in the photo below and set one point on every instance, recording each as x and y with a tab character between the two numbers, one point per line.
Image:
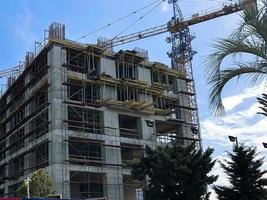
112	155
29	158
111	123
8	125
58	168
113	180
6	181
114	186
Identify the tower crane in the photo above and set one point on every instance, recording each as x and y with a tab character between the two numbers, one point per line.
177	25
180	38
181	53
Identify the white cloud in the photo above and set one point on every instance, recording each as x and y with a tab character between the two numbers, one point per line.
217	130
242	116
246	124
233	101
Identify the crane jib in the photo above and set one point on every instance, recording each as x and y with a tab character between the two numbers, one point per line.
173	26
176	25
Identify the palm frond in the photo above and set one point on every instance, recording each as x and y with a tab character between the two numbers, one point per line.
263	102
227	47
254	23
250	38
218	83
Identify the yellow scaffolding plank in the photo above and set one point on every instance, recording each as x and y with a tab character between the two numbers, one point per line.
165	69
83	80
161	111
137	105
156	89
108	79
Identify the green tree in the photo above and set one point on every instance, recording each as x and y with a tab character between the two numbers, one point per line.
22	190
40	185
263	102
245	175
248	41
175	172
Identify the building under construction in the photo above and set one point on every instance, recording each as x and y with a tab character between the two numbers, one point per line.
84	113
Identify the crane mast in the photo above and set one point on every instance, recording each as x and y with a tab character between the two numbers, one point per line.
181	55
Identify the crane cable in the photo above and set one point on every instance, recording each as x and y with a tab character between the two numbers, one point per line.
115	37
118	20
139	19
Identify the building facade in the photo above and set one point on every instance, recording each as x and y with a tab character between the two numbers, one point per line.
85	113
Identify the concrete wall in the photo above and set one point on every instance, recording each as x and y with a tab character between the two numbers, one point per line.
144	74
107	67
147	132
109	92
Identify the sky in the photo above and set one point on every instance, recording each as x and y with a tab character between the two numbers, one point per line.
22	23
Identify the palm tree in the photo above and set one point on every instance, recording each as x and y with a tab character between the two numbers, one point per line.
249	41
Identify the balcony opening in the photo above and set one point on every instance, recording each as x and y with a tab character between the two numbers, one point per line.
126	70
85	152
131	154
78	61
84	120
129	126
166	131
84	185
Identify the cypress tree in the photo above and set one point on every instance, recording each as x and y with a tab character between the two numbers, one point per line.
245	175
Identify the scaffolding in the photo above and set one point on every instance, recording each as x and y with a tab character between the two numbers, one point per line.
24	124
113	149
85	114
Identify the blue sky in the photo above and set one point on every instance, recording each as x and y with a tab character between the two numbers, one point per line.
22	22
